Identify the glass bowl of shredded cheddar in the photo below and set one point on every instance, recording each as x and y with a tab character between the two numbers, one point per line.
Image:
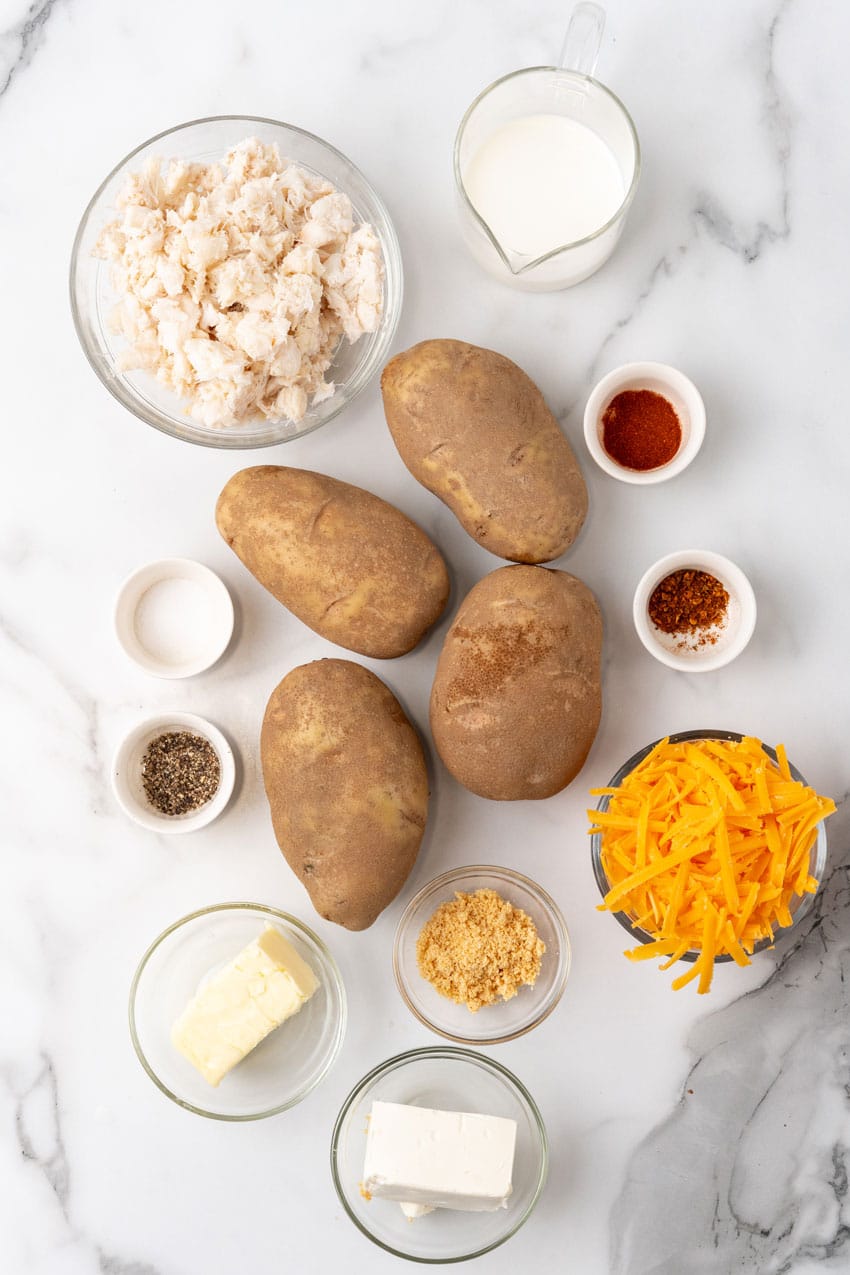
706	845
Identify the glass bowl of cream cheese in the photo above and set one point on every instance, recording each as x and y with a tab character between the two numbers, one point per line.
465	1128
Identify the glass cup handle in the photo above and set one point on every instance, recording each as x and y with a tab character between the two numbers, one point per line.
583	38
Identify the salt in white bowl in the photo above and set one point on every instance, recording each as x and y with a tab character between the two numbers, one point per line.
174	618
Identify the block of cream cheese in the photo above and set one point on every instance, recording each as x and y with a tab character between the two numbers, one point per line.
444	1159
237	1007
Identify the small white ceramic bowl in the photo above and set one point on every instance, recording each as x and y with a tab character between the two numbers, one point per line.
661	379
174	618
730	638
127	773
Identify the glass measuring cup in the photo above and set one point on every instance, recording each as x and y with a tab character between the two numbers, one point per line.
571	91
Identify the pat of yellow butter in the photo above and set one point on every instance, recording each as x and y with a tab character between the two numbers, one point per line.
239	1006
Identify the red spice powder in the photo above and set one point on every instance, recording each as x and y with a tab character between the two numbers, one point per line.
640	430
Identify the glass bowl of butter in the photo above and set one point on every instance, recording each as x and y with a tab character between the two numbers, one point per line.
237	1011
439	1155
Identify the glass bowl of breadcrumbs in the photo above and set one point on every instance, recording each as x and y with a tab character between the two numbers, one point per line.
481	955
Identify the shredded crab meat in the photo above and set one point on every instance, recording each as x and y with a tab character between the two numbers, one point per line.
237	281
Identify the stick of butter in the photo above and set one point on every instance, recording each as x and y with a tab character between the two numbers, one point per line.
234	1010
439	1159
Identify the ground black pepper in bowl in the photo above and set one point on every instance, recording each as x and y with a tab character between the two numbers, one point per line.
180	772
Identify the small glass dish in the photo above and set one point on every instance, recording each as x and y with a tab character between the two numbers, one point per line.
504	1020
692	653
800	904
284	1067
448	1079
92	296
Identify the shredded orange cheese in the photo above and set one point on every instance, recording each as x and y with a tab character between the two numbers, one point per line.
704	845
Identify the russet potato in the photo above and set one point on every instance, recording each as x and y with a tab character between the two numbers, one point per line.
351	566
516	699
345	777
476	431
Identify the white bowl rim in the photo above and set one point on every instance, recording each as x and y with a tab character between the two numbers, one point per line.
619	378
714	564
172	825
173	569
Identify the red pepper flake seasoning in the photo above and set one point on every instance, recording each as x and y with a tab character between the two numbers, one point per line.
640	430
689	603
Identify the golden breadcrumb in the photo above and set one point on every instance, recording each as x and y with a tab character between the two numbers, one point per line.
478	948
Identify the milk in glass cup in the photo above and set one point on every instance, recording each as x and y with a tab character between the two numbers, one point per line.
546	164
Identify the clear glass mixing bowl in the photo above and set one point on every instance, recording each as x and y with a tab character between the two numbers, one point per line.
93	298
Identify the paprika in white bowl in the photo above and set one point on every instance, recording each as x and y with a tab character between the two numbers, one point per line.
644	422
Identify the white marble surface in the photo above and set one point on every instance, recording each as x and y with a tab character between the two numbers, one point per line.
733	266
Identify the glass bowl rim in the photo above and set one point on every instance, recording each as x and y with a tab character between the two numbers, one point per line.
390	248
556	992
451	1052
329	966
679	737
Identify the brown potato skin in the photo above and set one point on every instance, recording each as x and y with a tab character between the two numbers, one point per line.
517	696
345	777
352	567
476	431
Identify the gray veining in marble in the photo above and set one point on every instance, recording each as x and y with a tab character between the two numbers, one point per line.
39	1135
778	125
750	1172
38	1132
19	42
